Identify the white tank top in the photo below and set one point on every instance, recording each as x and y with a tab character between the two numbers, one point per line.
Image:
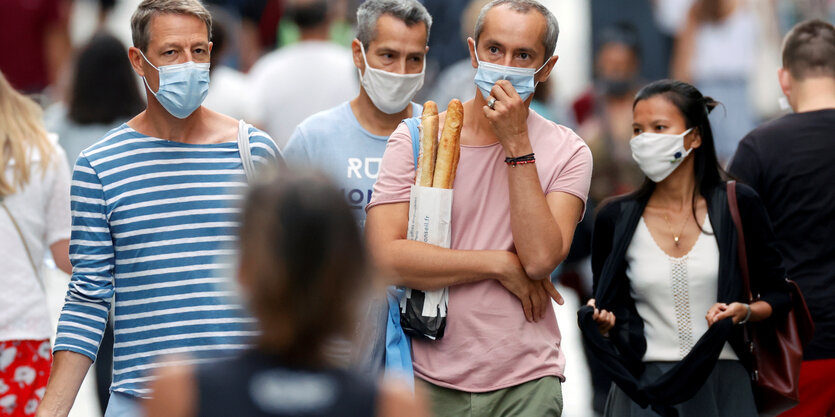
673	295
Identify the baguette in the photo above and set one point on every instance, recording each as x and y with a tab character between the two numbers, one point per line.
425	170
449	147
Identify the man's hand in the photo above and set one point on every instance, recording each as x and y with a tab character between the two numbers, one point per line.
509	119
535	295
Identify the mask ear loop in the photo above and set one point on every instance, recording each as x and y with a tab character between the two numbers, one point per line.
364	59
143	77
540	69
684	135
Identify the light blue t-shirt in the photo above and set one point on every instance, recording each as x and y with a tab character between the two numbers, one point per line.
334	142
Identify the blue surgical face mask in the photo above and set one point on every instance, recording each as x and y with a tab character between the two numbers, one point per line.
522	79
182	87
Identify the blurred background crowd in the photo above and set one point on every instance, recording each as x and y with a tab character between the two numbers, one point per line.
71	54
276	62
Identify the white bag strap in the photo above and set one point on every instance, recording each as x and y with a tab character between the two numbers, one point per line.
23	241
244	148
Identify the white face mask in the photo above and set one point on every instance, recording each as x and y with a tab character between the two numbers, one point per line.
659	154
390	92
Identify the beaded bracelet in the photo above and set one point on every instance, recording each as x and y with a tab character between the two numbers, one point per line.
520	160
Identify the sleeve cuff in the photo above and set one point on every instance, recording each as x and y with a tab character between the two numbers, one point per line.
75	349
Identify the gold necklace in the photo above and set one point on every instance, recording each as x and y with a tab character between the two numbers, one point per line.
676	237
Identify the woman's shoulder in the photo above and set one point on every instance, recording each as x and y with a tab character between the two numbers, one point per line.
612	207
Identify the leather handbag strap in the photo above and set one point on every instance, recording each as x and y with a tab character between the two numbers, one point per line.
740	244
23	241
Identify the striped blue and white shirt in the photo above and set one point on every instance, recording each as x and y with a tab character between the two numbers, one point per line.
154	223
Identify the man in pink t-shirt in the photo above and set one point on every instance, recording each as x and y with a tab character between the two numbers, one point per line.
511	226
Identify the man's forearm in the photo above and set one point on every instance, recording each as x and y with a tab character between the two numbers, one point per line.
65	378
427	267
536	234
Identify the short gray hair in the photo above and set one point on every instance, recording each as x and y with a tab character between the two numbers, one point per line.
552	30
149	8
409	11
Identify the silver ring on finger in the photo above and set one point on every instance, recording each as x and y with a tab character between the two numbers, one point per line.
491	102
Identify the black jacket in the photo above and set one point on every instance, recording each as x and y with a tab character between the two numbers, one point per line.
622	352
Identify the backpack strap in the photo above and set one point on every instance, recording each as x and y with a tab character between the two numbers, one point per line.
413	123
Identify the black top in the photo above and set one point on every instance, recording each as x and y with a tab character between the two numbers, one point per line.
256	385
622	352
791	163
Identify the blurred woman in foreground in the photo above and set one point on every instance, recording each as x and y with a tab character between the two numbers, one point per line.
302	263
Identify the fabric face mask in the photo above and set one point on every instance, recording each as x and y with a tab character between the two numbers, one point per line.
522	79
390	92
182	87
659	154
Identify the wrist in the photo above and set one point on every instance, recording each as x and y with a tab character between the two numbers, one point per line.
745	313
518	146
499	269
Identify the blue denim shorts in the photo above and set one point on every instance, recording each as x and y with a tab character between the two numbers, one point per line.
123	405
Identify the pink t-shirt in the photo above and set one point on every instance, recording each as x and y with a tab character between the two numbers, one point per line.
488	344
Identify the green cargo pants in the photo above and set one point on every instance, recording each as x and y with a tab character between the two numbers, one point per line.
538	398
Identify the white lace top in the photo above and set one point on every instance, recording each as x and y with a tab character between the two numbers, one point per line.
673	295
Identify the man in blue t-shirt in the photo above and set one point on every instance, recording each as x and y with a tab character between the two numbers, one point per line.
348	141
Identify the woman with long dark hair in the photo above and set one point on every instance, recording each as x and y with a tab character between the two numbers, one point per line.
669	294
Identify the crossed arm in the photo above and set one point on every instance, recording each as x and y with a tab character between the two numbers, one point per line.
427	267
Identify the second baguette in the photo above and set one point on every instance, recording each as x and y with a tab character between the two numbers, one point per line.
449	146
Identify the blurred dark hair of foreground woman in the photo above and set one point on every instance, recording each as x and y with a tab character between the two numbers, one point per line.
302	263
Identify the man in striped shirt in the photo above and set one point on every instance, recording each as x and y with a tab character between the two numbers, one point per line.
155	207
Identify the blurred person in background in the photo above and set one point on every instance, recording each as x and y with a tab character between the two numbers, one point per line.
455	80
259	29
103	93
341	30
669	294
716	50
651	33
34	220
501	347
155	206
348	141
791	163
228	91
302	267
449	44
299	80
604	112
35	42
